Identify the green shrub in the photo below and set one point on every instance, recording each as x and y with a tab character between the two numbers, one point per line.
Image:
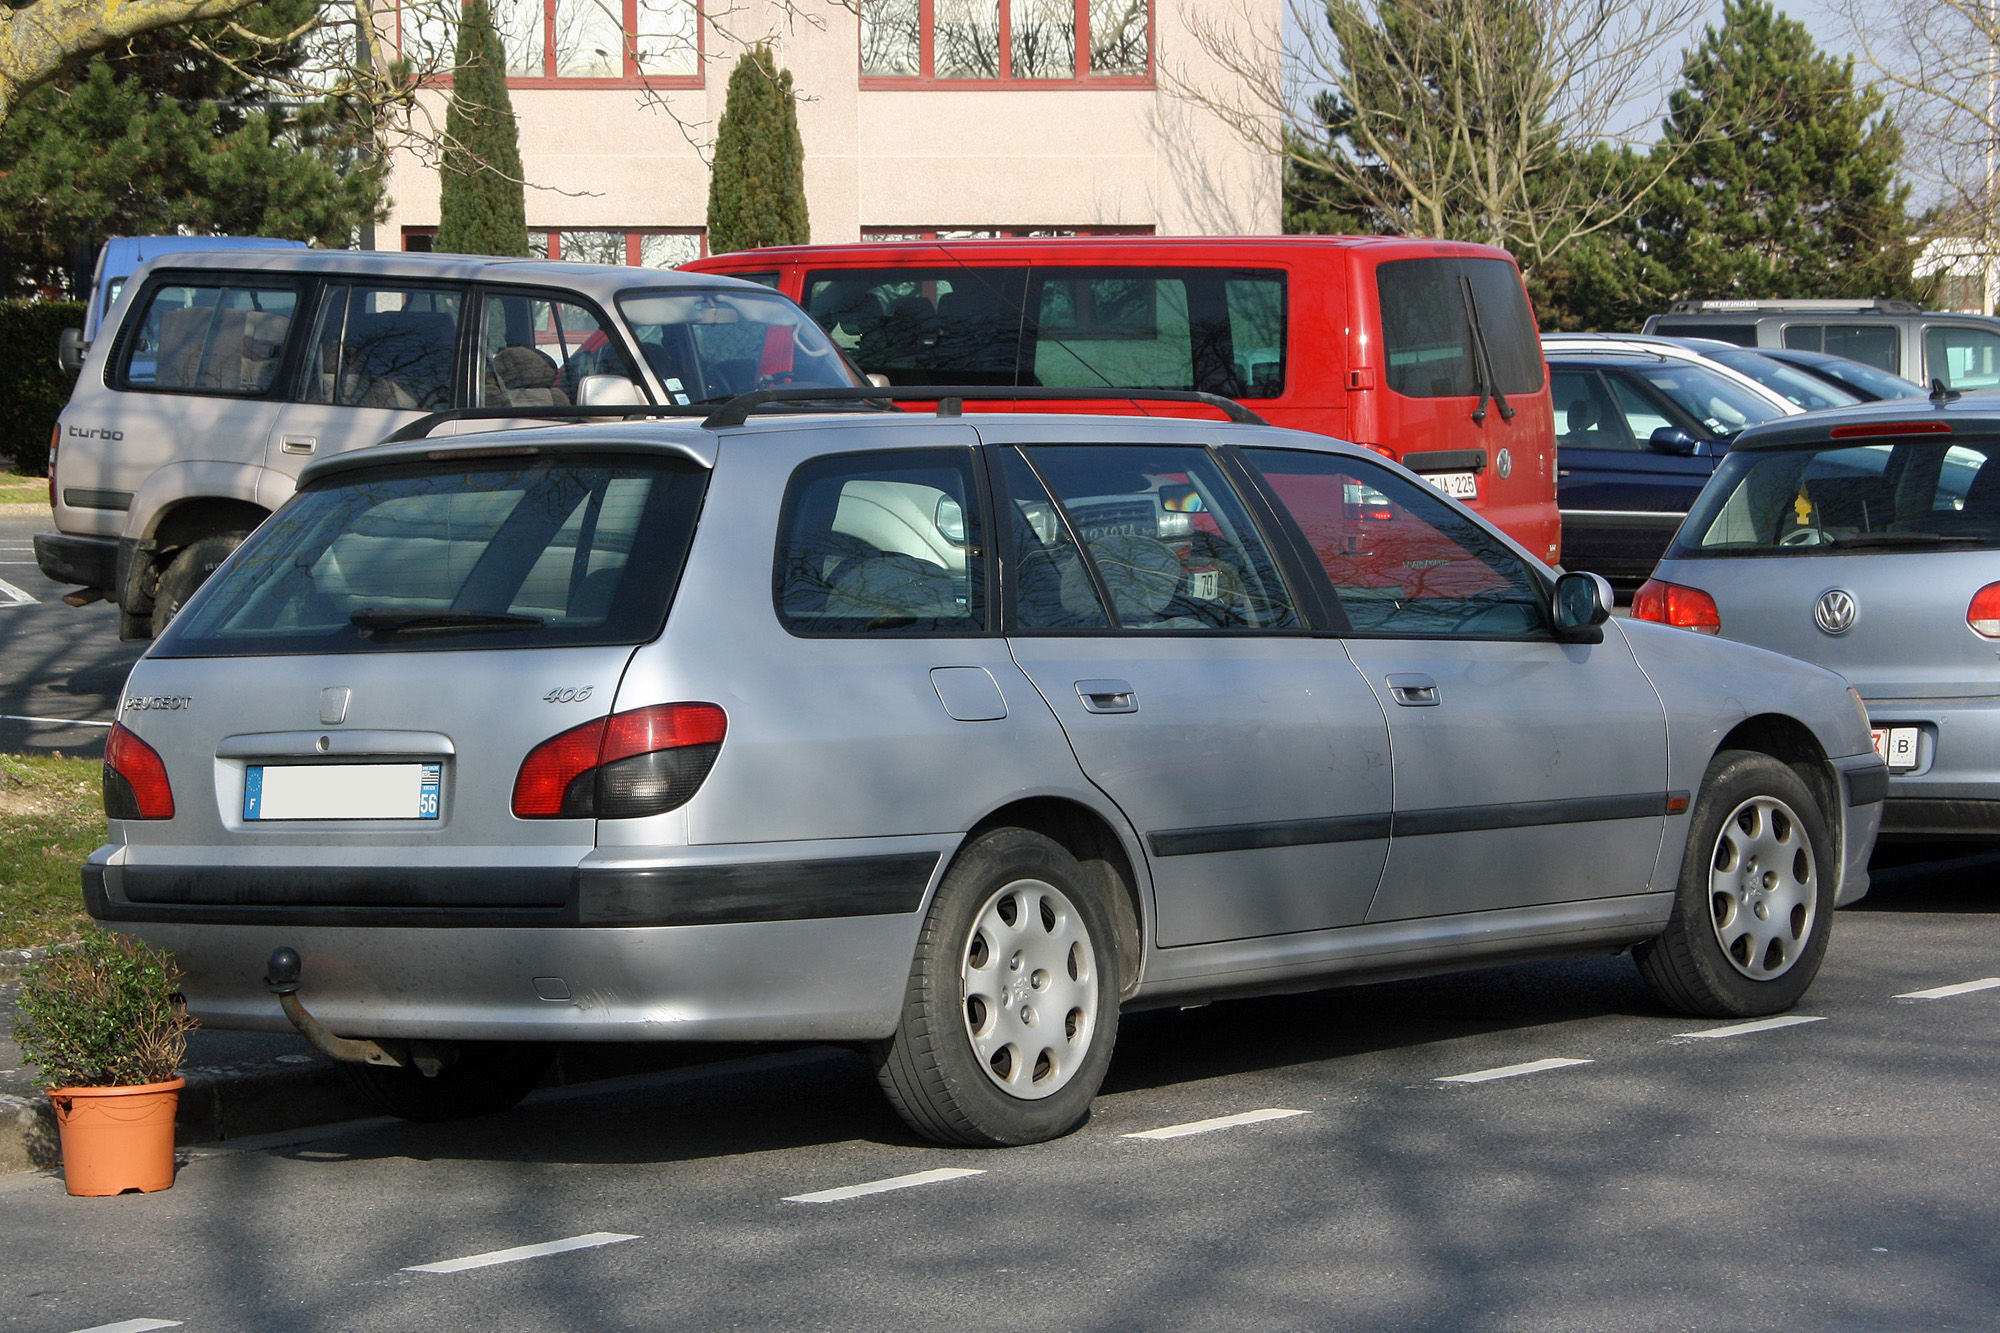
33	388
103	1013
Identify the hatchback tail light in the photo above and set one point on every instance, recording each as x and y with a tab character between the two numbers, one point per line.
135	781
1672	604
627	765
1984	613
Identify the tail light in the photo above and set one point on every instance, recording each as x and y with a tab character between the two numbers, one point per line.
625	766
135	781
55	438
1672	604
1984	613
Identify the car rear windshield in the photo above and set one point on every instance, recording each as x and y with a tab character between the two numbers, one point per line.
521	553
709	346
1887	496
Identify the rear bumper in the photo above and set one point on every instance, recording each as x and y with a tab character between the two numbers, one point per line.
90	562
1953	793
807	949
1914	818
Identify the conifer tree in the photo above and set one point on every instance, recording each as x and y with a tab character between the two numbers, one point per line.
1787	187
757	188
482	208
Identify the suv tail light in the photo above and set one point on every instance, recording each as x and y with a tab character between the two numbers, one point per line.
1672	604
1984	613
624	766
135	781
55	438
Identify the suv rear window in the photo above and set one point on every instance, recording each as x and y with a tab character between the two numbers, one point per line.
1916	495
539	553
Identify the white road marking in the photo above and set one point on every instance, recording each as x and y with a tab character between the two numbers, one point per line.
520	1252
1946	992
884	1186
1757	1025
15	595
1219	1122
131	1326
1513	1071
65	721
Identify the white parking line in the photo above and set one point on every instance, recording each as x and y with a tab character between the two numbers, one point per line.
131	1326
1946	992
15	596
884	1186
520	1252
1756	1025
65	721
1512	1071
1219	1122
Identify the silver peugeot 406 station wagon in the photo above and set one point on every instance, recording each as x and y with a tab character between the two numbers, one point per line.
945	735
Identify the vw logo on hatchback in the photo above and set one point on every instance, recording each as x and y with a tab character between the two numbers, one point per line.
1836	611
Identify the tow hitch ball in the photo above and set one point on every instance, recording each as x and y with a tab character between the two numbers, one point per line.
281	974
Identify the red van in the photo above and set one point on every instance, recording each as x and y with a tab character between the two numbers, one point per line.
1425	351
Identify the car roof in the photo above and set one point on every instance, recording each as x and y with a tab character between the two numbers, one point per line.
1970	413
602	280
1643	349
1085	247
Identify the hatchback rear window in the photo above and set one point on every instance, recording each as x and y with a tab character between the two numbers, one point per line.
1891	496
534	553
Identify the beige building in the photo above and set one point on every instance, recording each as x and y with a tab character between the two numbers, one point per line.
920	118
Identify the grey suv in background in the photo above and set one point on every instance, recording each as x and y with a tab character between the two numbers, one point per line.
1900	337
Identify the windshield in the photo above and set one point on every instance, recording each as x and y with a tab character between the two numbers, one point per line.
708	346
1722	406
1913	495
1799	388
1870	380
534	554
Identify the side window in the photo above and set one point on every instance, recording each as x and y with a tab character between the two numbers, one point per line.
1169	540
1051	585
534	351
1403	562
1586	418
1877	345
882	543
219	338
388	347
1640	414
1215	330
1963	358
923	326
1805	337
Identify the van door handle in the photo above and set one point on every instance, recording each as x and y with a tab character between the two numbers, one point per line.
299	444
1107	696
1414	691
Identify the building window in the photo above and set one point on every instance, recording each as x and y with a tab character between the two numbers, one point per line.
947	43
993	233
638	247
619	41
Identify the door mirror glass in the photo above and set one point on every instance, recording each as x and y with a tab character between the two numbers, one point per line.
1674	440
1582	604
607	391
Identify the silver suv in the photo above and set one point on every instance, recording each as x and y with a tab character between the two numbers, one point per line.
949	736
222	374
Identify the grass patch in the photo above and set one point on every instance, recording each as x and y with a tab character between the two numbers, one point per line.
16	489
51	818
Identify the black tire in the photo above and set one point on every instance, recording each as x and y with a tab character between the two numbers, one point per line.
187	571
945	1088
1754	907
488	1076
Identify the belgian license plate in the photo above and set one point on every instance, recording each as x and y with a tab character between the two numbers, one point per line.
341	791
1897	745
1458	485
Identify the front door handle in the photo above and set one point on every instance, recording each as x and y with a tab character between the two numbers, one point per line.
1107	696
1414	691
299	444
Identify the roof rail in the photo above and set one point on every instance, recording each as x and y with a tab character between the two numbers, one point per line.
951	398
423	426
1882	306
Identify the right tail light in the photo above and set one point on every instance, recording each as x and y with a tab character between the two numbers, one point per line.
625	766
135	779
1673	604
1984	613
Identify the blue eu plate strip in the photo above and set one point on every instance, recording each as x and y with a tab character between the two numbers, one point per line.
253	792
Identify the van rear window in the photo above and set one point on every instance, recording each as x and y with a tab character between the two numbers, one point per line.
1427	329
576	551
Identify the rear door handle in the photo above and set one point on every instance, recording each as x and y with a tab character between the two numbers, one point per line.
1414	691
1107	696
299	444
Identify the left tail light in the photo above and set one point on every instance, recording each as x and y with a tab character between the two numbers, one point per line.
1672	604
135	780
1984	613
625	766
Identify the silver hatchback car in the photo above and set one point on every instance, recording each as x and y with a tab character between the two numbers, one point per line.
949	736
1868	540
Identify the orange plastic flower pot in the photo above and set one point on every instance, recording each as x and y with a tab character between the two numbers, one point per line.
116	1140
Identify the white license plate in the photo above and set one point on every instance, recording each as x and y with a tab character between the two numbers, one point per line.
341	791
1897	745
1458	485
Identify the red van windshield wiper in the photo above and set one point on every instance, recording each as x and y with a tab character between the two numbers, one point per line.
1482	360
374	620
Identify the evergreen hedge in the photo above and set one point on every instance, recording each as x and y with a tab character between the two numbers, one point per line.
33	388
482	204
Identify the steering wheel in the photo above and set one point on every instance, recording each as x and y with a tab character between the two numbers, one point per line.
1802	537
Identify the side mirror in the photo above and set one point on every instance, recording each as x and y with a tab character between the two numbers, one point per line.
1582	605
1674	440
608	391
877	380
70	348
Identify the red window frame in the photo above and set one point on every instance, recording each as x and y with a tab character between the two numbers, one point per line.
924	78
553	236
631	78
891	234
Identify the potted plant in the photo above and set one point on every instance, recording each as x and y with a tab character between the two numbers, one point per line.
104	1022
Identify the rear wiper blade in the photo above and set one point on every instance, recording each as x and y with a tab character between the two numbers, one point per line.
377	621
1861	539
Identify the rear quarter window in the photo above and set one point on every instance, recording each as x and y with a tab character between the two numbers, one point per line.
218	337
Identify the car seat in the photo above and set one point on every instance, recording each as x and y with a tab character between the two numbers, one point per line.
523	377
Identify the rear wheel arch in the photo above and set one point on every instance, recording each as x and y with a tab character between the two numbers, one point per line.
206	516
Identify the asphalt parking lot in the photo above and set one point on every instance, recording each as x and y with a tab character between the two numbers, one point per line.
61	667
